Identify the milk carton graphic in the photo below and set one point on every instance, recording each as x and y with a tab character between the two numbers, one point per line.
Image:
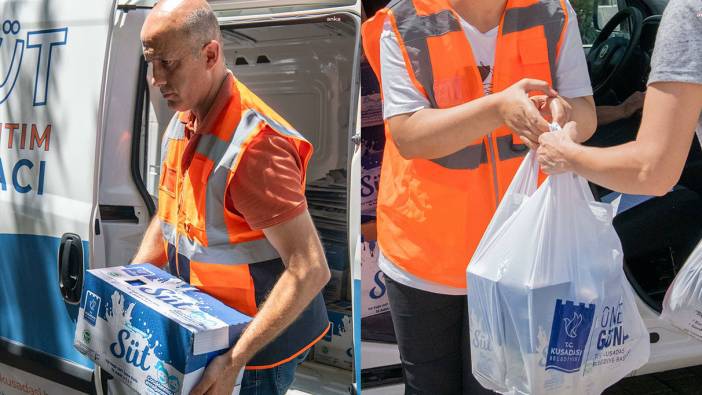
152	331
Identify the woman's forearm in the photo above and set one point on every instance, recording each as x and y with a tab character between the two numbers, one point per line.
652	164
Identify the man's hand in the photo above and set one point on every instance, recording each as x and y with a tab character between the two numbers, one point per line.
306	273
553	109
520	114
555	149
219	377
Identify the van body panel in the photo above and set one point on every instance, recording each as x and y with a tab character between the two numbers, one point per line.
48	54
674	349
22	383
265	8
31	303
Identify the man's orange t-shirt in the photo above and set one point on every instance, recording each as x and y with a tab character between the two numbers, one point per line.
267	186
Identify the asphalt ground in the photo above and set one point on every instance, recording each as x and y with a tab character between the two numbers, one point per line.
687	381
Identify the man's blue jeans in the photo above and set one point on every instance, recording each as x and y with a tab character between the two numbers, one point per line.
273	381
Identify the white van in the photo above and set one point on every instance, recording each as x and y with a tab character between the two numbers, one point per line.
657	233
80	132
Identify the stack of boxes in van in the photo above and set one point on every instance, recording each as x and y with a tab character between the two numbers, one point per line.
374	299
327	200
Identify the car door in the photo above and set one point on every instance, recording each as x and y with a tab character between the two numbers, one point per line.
657	233
125	205
52	61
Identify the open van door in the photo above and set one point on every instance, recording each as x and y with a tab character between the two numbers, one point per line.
52	60
302	59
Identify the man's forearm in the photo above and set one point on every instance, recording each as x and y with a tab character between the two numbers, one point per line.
289	297
151	247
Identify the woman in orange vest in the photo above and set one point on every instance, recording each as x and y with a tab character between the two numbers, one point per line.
459	82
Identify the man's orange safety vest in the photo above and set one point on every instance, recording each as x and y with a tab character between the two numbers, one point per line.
210	245
432	213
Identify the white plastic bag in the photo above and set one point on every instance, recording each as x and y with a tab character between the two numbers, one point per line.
682	305
550	309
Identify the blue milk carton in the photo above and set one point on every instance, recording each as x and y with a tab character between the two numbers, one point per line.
336	347
152	331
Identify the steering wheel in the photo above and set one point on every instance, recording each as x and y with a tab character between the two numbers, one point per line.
608	55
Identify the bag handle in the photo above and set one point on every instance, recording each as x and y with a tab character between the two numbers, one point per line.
584	188
526	179
571	179
523	185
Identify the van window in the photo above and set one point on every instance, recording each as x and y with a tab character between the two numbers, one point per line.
606	9
591	24
583	9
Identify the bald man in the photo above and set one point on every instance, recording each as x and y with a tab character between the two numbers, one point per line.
232	212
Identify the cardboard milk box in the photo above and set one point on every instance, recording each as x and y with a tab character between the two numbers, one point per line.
152	331
336	347
337	259
374	299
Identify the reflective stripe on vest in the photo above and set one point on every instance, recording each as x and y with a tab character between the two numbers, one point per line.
415	30
432	213
214	249
549	14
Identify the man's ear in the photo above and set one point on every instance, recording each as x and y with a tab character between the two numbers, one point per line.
211	53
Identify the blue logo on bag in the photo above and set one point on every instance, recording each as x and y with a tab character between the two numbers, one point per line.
92	307
572	325
569	334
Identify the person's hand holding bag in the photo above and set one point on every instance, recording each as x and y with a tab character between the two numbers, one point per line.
520	113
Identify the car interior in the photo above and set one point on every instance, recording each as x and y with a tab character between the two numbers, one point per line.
657	233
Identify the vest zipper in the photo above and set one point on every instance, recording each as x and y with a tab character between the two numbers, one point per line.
493	163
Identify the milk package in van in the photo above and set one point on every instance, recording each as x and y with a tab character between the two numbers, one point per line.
550	310
152	331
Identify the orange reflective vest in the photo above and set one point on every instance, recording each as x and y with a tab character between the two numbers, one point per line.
432	213
211	246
